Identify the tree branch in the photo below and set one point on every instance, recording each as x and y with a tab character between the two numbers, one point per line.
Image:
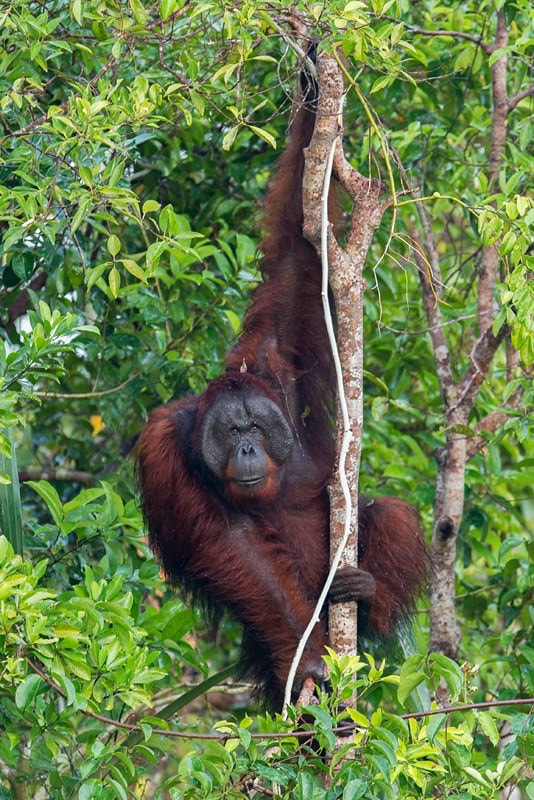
490	255
364	193
429	270
49	474
431	287
88	395
514	101
478	40
490	423
481	356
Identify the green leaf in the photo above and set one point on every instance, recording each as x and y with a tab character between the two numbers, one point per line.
487	723
379	406
408	684
377	381
386	750
134	269
380	83
167	7
6	550
76	9
139	11
449	670
116	172
87	790
358	718
265	135
477	777
167	220
27	691
150	206
147	730
234	320
94	274
412	664
68	688
396	33
305	787
81	214
120	791
245	737
51	498
114	245
10	506
435	724
522	204
114	281
498	321
229	137
355	789
153	254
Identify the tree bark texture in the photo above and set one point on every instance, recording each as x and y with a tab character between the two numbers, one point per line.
345	273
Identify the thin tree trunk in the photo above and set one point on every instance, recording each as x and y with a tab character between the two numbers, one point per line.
459	395
345	272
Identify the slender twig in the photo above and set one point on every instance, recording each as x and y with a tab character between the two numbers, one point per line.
86	395
518	701
456	35
421	331
470	37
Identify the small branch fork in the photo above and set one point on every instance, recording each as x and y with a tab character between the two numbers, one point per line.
344	267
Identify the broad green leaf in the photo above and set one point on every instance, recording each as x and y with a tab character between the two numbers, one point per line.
134	269
10	507
229	137
488	725
435	724
380	83
150	206
27	691
234	319
265	135
114	281
114	244
45	490
167	7
408	684
76	9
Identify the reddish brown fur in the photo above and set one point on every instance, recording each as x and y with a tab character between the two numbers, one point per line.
265	560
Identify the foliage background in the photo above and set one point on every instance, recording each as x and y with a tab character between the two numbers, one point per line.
136	141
